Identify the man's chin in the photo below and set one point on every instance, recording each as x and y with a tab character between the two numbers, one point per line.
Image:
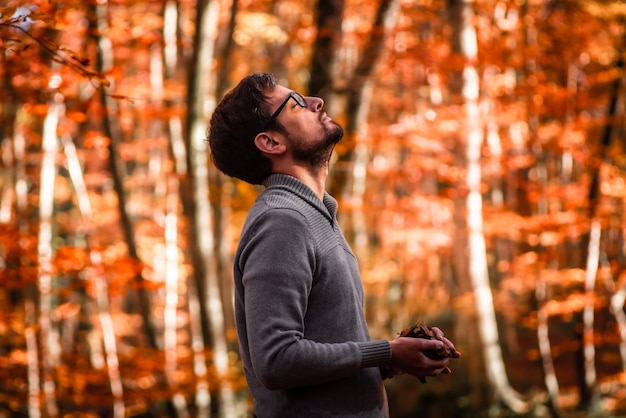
336	132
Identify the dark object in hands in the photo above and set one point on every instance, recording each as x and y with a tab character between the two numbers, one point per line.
421	330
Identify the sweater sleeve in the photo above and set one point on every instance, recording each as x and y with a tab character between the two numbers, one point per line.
277	264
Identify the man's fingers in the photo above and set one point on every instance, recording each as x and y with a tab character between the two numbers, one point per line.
440	336
438	333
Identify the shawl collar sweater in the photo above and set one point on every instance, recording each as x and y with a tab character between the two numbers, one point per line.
304	341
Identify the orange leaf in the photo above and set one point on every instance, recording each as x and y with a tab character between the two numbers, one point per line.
70	259
78	117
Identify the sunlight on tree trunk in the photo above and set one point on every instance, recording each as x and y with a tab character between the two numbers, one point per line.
466	43
184	158
479	275
8	134
494	144
19	187
170	58
617	308
7	191
49	342
30	297
163	61
543	340
593	257
202	219
21	181
108	335
172	285
170	37
201	105
107	329
70	326
30	334
76	175
224	186
109	339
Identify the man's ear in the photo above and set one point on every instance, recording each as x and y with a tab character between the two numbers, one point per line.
269	144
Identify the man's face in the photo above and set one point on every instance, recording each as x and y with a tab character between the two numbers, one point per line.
312	134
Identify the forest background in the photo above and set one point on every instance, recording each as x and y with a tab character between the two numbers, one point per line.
481	183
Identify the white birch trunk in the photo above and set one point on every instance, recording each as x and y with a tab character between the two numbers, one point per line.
108	339
20	192
543	340
172	285
617	308
478	271
203	106
163	60
7	187
49	344
593	261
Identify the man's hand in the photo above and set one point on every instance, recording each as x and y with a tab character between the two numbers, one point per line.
408	355
426	353
438	334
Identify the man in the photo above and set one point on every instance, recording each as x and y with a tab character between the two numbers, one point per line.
303	337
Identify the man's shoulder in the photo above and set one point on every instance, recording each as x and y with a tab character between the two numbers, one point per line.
273	205
280	198
284	209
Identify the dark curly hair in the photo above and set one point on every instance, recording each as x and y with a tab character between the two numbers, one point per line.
236	121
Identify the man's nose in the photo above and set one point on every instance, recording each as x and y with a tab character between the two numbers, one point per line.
315	103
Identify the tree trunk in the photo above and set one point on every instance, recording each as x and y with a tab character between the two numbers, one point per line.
164	63
223	186
470	249
615	109
196	203
7	135
47	339
99	25
356	89
326	44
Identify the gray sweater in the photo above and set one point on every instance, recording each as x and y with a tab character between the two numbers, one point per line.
304	341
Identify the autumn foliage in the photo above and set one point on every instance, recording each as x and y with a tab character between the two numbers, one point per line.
481	181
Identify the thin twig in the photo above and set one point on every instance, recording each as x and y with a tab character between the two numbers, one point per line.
75	63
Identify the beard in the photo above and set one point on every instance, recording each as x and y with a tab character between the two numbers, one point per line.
317	152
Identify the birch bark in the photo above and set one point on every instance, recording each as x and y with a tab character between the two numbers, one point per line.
195	197
48	342
470	248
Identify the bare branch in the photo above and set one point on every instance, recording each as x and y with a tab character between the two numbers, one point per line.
61	55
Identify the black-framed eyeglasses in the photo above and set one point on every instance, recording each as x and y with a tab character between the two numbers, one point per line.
299	99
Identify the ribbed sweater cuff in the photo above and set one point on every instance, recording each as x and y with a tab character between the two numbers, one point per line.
375	353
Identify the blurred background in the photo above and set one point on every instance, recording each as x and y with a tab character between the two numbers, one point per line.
481	182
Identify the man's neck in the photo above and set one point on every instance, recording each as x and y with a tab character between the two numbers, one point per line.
317	182
314	178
